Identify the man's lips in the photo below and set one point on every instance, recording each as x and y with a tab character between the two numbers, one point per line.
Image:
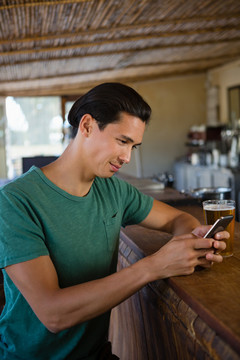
115	167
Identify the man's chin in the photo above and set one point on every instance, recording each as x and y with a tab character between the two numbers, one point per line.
107	175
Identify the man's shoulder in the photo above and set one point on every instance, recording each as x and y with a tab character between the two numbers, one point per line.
21	183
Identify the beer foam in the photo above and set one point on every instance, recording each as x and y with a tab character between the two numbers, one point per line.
218	207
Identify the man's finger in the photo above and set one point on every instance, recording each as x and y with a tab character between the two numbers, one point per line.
203	243
214	257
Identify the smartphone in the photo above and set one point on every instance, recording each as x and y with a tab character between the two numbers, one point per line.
219	225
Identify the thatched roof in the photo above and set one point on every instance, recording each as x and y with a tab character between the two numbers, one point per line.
58	47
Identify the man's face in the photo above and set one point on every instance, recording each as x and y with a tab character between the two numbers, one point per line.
112	147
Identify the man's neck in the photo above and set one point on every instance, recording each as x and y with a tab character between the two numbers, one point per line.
68	174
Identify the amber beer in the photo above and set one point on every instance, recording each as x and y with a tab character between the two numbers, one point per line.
213	210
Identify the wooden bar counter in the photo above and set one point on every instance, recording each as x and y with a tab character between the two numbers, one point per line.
185	317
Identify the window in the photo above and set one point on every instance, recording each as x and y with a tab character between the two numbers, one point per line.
34	128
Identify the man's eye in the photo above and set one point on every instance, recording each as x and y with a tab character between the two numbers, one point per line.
134	147
122	141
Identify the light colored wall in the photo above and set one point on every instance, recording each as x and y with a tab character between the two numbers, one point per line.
224	77
177	104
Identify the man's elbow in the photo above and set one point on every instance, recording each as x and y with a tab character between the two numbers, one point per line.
57	322
54	323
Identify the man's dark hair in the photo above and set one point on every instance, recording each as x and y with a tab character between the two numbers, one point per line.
106	102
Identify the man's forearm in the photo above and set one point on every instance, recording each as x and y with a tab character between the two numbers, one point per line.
167	218
80	303
183	224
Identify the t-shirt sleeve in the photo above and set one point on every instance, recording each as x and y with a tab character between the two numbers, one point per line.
21	235
136	205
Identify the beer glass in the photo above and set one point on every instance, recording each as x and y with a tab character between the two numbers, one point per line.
213	210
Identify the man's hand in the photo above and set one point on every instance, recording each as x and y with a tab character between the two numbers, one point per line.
183	253
218	243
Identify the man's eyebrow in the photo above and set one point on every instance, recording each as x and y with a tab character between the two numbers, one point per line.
127	138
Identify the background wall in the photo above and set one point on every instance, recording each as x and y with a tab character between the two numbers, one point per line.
225	77
177	104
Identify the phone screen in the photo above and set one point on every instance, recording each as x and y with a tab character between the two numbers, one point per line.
219	225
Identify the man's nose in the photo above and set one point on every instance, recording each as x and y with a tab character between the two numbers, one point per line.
125	157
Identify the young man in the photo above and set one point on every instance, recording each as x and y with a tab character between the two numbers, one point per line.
59	231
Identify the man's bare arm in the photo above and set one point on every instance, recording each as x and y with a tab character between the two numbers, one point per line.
60	308
167	218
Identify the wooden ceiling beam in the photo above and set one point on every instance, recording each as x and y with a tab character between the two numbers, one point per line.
41	3
230	55
158	34
162	21
208	60
218	60
99	43
69	88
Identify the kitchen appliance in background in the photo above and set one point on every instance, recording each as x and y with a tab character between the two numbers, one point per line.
189	178
210	193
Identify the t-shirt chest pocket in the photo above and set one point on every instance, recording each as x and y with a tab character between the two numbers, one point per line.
112	225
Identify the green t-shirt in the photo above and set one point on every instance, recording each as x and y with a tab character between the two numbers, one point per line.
81	235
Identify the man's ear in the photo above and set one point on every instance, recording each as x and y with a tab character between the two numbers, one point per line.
86	125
